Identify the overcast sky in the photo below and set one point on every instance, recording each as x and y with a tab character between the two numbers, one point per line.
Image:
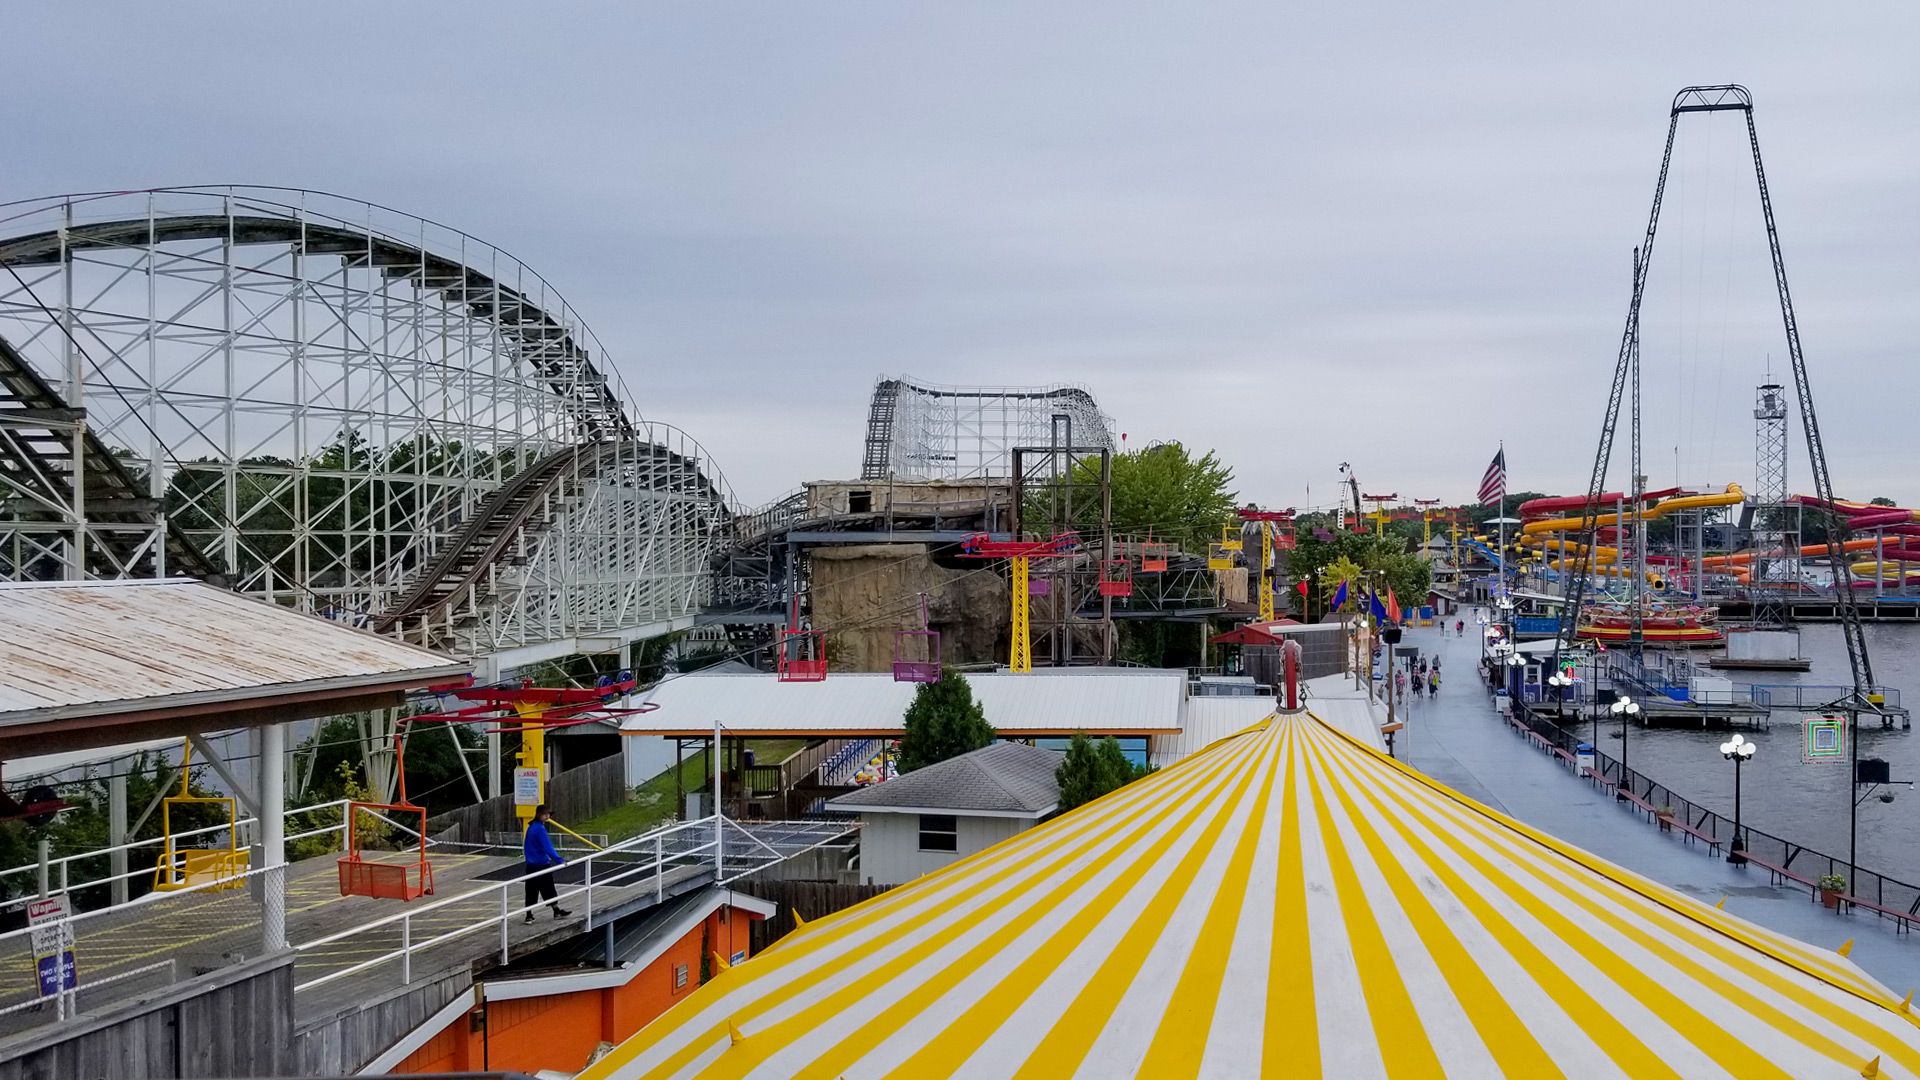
1386	234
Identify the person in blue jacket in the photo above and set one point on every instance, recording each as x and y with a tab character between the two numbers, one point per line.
541	859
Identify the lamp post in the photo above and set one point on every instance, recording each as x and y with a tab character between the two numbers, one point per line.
1626	709
1560	680
1737	750
1514	663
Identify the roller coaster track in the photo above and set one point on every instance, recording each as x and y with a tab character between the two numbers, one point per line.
37	435
545	343
487	538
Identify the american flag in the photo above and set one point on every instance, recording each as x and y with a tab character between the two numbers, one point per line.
1493	486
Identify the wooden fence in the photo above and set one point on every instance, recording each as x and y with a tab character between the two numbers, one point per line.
812	899
575	795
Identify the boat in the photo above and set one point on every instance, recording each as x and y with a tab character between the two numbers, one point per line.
1661	623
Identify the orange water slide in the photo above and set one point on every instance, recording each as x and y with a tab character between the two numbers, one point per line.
1743	558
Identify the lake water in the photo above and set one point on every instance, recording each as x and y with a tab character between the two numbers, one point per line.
1784	795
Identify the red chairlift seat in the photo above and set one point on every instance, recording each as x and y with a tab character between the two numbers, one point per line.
1116	577
802	655
923	643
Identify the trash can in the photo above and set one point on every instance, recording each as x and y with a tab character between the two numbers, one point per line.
1583	757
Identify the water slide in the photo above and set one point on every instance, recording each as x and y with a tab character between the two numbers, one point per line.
1731	497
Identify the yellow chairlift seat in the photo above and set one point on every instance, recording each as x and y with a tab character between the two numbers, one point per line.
1219	557
1230	536
184	868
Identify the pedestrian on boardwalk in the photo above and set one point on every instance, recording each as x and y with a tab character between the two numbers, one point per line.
541	859
1434	685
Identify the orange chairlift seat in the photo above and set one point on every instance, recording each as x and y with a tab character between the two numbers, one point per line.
1153	557
916	653
387	875
1116	577
182	868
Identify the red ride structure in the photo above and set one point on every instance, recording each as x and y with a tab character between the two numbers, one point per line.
1017	552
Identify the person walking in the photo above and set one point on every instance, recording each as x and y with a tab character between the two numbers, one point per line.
1434	686
541	859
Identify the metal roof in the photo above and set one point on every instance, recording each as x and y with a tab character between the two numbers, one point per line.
1289	903
102	653
1207	720
1002	780
1056	702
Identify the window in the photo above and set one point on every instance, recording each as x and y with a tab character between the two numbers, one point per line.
939	832
679	976
859	502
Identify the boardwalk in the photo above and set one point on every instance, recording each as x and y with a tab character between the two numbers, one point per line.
1457	739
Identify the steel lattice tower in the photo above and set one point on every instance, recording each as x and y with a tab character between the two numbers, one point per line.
1771	511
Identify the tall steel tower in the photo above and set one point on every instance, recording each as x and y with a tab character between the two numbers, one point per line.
1772	515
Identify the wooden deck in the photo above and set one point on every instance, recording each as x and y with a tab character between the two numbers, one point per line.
205	930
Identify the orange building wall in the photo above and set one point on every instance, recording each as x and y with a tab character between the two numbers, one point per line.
560	1031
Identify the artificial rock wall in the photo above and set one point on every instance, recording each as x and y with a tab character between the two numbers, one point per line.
862	593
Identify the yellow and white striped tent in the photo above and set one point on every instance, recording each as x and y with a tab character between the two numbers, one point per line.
1286	903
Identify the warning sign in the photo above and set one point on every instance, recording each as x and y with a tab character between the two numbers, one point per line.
526	787
51	923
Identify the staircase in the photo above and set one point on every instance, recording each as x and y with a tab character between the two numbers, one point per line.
37	436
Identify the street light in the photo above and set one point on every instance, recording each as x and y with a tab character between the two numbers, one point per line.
1626	709
1514	662
1737	750
1560	680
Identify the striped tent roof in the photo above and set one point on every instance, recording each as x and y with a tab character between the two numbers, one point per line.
1286	903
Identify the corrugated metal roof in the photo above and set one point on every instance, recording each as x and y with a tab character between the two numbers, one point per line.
1040	703
1289	903
86	648
1005	778
1207	720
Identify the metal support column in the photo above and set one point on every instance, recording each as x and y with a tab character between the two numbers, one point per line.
272	780
117	828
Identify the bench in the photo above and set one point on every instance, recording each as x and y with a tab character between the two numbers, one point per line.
1627	794
1563	755
1781	873
1589	773
1713	842
1903	920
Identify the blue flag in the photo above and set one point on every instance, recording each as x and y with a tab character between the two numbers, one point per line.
1340	596
1379	609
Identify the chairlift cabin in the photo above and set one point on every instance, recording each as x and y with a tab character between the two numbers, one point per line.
802	655
184	868
387	875
1116	577
1219	557
1230	536
1153	558
916	653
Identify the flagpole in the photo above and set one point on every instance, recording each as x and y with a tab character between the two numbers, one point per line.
1500	510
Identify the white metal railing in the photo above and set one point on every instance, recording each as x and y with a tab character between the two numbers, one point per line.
59	871
637	862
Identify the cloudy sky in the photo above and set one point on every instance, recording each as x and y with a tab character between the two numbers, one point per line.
1300	234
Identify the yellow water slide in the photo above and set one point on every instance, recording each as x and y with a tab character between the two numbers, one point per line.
1732	496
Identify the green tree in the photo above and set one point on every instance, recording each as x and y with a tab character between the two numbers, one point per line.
1880	500
1092	768
1383	559
1160	488
943	721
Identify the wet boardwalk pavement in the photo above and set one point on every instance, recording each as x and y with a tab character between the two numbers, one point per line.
1458	739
